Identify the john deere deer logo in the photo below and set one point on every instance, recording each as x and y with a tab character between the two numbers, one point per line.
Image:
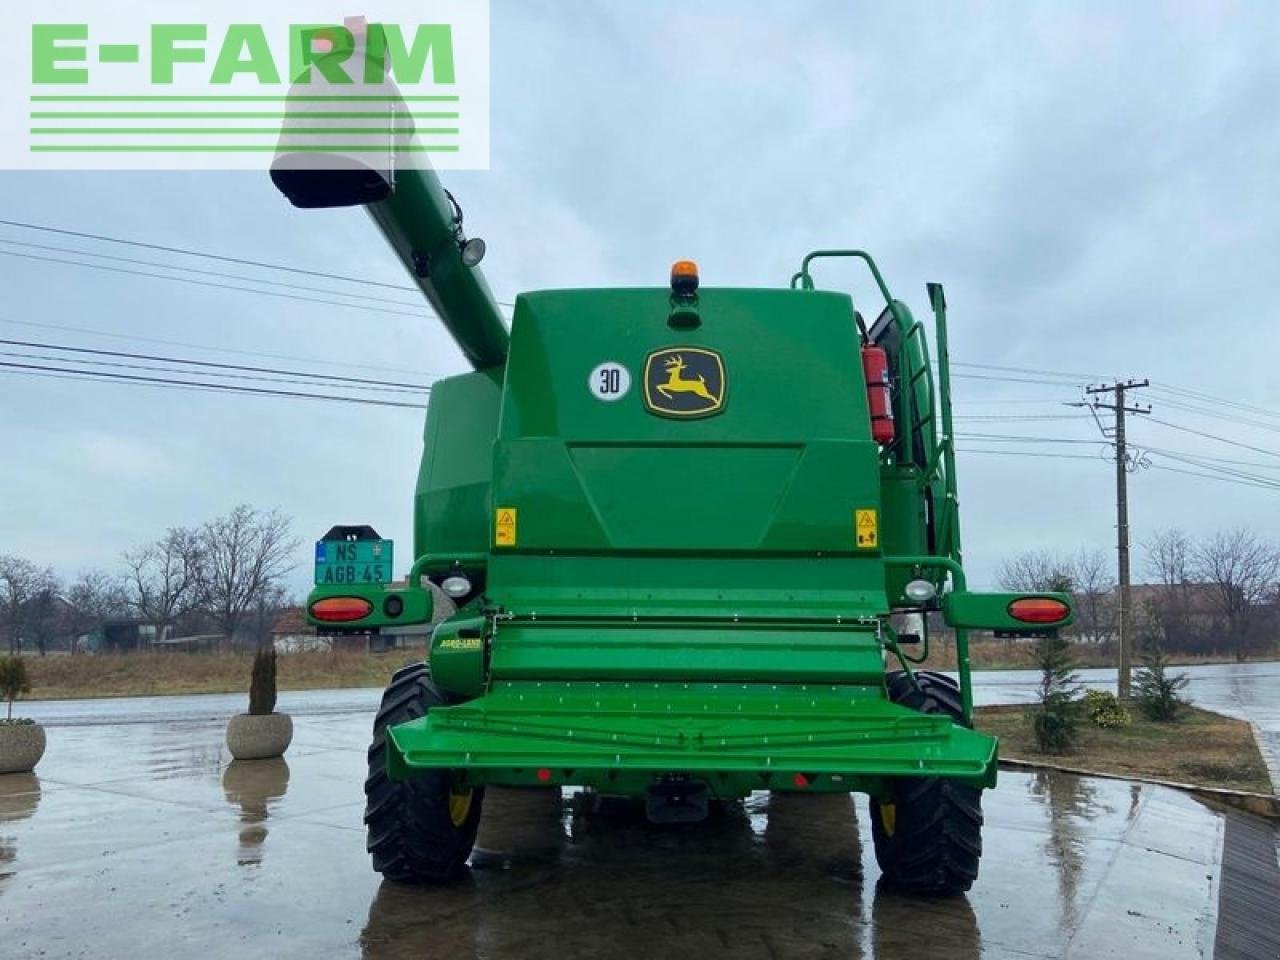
684	382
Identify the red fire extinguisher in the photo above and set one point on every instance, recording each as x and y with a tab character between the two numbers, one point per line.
875	367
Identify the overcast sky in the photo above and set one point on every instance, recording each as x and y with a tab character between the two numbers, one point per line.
1095	183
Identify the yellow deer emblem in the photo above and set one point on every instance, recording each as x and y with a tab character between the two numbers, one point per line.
676	383
684	382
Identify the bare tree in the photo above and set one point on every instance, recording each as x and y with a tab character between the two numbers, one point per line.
95	596
42	618
244	556
1094	580
1170	561
260	621
25	591
1242	571
163	578
1036	571
1169	554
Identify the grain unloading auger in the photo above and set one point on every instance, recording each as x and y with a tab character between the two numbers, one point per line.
679	525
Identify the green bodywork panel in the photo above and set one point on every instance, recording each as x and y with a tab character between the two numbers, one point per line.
458	653
753	495
452	503
618	736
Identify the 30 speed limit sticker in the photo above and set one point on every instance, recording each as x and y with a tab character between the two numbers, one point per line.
609	381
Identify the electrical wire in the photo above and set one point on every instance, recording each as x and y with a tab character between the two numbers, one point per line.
1025	453
1233	418
187	252
310	288
189	384
1059	374
1006	438
229	351
1210	476
182	251
1077	456
209	283
183	361
215	374
1225	471
1223	401
1210	436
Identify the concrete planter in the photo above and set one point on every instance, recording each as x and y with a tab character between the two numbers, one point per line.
252	737
21	747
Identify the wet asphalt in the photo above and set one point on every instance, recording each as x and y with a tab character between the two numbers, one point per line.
139	838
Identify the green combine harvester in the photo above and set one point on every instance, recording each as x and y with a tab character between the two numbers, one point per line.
681	527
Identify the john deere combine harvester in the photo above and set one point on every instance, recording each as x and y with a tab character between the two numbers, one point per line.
679	524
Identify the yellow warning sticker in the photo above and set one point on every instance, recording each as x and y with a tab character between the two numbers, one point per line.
504	527
866	525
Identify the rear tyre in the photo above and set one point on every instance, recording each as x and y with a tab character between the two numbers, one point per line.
929	838
421	830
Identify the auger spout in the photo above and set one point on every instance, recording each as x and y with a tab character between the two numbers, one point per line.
421	222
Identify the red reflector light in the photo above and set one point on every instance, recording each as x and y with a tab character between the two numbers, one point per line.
800	780
544	774
341	609
1039	610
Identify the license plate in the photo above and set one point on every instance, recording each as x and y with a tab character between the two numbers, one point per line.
353	561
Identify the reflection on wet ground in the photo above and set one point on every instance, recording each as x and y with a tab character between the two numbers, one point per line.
254	786
142	839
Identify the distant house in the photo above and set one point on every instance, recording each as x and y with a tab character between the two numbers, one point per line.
195	643
1185	616
292	634
1196	601
120	635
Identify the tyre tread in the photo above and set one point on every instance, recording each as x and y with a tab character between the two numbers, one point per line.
937	840
411	837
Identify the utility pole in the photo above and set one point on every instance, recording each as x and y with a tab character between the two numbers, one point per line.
1123	466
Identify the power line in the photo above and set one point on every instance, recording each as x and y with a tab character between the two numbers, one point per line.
217	374
1007	438
182	361
208	283
241	261
1270	482
1036	454
1210	436
1210	476
229	351
1256	464
188	384
1027	453
1196	394
205	273
997	418
1227	417
1032	370
994	379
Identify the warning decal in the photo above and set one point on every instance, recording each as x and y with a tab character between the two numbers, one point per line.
504	527
867	527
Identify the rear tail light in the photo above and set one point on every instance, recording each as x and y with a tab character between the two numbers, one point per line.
1039	610
341	609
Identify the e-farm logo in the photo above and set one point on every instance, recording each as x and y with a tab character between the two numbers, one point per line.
238	85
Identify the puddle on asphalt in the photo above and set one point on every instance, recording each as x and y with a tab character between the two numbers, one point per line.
275	848
778	875
19	799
